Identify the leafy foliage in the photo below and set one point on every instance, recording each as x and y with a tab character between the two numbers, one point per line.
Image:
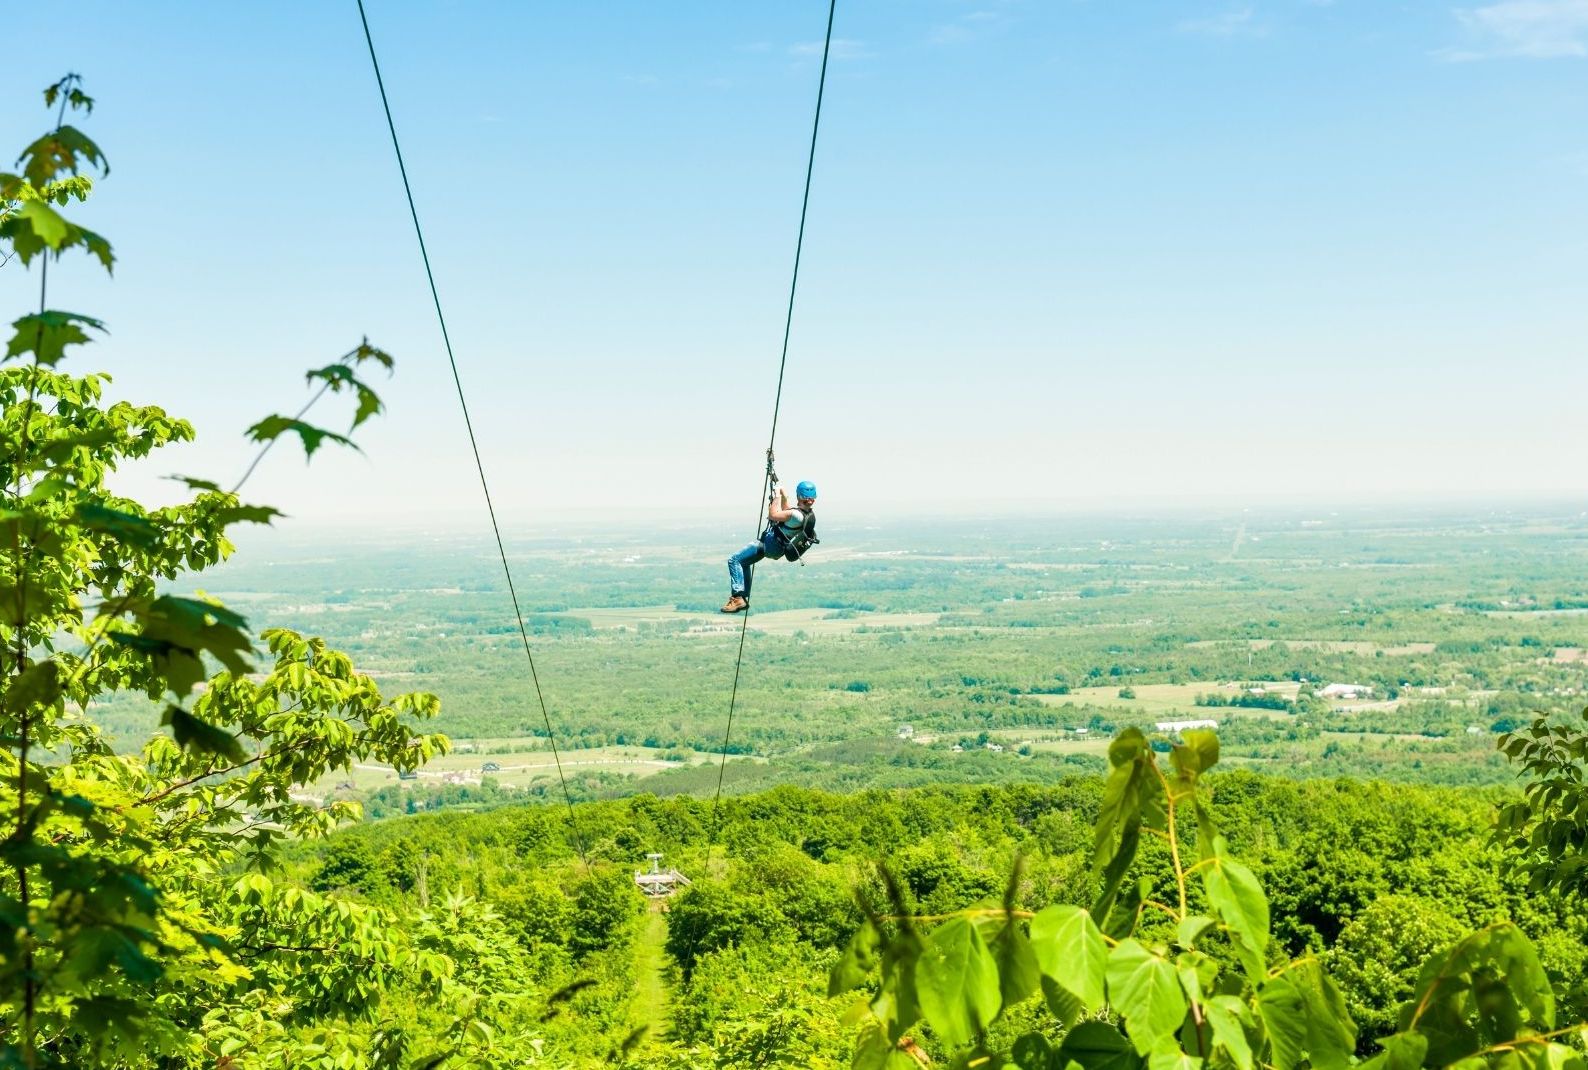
140	925
1174	986
1547	829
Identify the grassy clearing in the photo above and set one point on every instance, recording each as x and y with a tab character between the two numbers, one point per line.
1174	701
649	1007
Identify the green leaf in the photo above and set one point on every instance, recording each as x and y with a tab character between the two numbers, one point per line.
1191	967
1191	928
956	981
1485	990
21	603
34	231
1063	1004
1196	753
1132	798
247	514
273	427
1099	1046
1170	1057
1238	900
195	614
1551	1057
1143	988
38	685
194	734
1224	1016
1018	974
48	225
897	1004
1070	949
366	352
193	483
64	149
125	527
1114	873
177	632
1305	1018
1131	791
1402	1051
858	962
340	377
47	334
1033	1052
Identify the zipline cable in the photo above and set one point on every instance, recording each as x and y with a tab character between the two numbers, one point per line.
474	445
777	402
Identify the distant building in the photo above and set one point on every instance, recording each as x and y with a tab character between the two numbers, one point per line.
1181	726
1347	691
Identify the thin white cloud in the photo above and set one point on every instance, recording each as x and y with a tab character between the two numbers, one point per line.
1231	22
1535	29
843	48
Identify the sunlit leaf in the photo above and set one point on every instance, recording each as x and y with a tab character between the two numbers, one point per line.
1238	900
1144	989
1306	1019
273	427
1070	949
1224	1014
957	982
47	334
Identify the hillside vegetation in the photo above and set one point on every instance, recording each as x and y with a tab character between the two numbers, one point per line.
1369	879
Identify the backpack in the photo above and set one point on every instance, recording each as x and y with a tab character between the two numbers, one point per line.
797	545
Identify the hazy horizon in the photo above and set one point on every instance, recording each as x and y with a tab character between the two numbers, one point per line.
842	527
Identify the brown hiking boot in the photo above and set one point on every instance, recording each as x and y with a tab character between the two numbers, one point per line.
736	604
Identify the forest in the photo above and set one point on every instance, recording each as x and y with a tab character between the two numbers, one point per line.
1297	791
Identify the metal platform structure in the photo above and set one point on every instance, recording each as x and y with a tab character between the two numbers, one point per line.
658	883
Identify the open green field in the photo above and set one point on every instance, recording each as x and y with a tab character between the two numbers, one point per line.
512	767
967	633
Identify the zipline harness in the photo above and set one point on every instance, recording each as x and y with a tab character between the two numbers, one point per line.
797	543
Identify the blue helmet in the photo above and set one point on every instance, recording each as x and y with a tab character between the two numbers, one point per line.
806	489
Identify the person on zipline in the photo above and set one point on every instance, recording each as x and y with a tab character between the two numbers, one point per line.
790	532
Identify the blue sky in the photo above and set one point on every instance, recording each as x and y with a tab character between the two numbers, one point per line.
1059	253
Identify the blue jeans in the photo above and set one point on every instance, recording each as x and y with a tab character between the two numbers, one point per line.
741	566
